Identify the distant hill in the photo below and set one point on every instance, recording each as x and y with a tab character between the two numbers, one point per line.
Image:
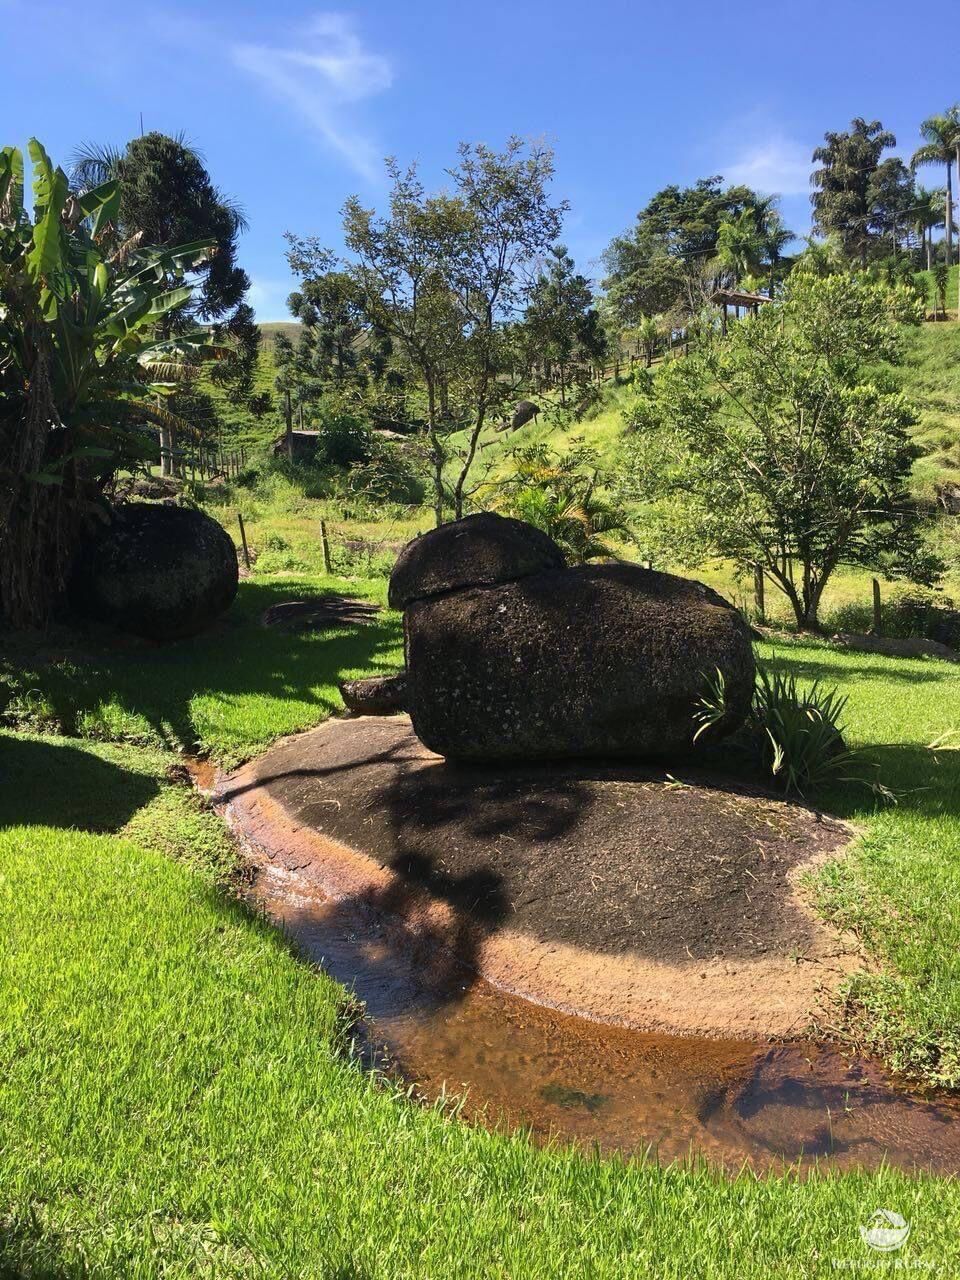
289	328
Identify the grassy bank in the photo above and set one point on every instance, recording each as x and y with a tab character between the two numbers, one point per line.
174	1099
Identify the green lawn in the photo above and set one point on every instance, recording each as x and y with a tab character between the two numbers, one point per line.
175	1099
226	693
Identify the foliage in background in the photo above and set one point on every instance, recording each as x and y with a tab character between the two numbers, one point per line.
861	197
790	451
565	496
82	371
167	198
562	330
444	276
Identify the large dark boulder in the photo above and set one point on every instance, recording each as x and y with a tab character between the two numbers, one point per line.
155	571
477	551
589	661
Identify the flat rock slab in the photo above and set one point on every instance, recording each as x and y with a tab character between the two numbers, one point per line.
322	614
612	891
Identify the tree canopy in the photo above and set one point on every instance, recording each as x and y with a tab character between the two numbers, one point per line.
785	446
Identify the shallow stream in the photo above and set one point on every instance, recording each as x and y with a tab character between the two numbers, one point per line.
560	1076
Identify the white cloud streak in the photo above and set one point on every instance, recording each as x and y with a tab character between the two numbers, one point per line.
327	75
776	164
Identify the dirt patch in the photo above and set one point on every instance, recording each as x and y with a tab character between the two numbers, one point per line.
613	891
321	614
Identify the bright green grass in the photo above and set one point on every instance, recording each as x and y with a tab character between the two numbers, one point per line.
931	379
174	1101
228	692
899	886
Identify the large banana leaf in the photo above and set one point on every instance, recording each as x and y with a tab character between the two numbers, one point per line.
50	186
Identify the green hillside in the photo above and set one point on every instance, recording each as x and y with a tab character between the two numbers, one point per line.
269	332
931	378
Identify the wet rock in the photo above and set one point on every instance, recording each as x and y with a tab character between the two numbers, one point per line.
588	661
479	550
160	572
376	695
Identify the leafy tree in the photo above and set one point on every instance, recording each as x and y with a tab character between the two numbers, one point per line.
851	201
563	326
445	276
788	450
941	145
83	372
167	197
657	268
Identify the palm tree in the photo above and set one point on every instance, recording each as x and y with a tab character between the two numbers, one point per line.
927	214
776	236
740	245
941	145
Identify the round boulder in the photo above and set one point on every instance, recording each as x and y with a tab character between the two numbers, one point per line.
597	660
155	571
477	551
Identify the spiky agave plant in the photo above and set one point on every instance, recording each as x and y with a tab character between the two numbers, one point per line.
83	375
800	728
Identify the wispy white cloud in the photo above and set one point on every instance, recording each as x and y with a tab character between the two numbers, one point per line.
774	164
322	79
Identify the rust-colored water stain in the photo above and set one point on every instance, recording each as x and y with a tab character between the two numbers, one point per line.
566	1078
203	772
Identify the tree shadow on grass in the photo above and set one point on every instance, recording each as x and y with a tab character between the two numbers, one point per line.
27	1249
807	668
239	661
56	784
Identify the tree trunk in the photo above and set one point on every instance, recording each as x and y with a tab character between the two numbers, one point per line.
436	452
288	426
166	452
949	212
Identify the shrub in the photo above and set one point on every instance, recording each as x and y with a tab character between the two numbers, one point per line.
905	612
344	440
797	732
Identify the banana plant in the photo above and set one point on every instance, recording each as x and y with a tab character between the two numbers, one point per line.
84	366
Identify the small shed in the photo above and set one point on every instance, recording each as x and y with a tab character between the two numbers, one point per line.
737	298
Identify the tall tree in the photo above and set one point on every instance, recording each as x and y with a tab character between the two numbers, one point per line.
167	197
785	448
447	277
927	214
657	267
740	248
941	145
562	322
844	202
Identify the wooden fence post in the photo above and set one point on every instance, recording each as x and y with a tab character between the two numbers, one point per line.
876	607
758	593
243	539
325	544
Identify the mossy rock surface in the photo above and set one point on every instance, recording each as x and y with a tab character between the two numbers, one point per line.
160	572
479	550
595	660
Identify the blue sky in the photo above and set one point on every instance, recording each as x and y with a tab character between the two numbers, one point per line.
294	105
